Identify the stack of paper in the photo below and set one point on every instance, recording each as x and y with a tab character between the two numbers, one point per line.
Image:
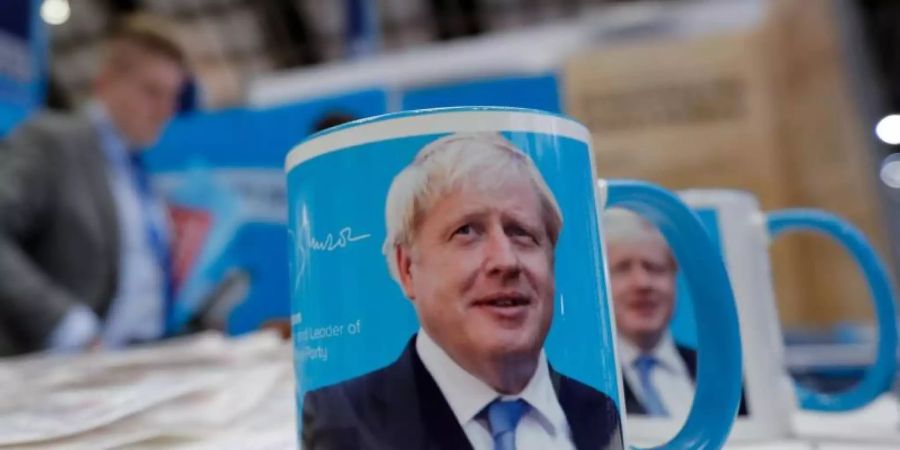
204	391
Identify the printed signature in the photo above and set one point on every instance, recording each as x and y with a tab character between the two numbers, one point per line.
330	244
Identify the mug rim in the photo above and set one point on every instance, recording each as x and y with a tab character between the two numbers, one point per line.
294	157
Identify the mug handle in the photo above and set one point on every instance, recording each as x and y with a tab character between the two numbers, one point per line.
879	376
719	370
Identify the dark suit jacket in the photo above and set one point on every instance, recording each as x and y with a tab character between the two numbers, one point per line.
400	407
634	406
59	236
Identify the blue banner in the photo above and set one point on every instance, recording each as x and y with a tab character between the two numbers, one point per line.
23	64
223	174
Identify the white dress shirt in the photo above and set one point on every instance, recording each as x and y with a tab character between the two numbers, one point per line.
670	376
543	426
137	309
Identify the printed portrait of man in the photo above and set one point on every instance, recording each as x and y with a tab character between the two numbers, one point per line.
472	229
658	374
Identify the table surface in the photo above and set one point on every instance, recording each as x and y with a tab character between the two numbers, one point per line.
210	392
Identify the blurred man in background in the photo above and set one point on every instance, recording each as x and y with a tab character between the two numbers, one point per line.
84	239
657	373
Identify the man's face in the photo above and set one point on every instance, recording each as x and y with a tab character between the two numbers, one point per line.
142	98
480	273
643	287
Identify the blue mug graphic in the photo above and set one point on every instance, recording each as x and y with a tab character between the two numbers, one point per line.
878	377
448	278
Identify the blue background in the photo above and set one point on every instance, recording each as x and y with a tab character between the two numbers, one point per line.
253	137
348	188
21	24
198	145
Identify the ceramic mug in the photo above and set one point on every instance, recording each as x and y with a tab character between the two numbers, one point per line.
742	232
444	268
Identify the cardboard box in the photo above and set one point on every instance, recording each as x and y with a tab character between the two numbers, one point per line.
764	108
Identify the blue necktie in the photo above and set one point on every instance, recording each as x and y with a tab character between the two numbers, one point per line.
154	234
503	416
651	400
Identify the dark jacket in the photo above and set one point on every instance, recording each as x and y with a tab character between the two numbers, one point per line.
400	407
59	232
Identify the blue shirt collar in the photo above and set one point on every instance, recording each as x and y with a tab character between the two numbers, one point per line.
115	146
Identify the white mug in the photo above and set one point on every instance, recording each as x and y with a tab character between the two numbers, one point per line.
743	232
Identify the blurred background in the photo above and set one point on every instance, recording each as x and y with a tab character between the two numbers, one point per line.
789	99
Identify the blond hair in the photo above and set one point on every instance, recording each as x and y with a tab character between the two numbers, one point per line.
144	32
621	226
483	159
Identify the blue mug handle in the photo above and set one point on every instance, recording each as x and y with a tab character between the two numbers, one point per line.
879	376
719	371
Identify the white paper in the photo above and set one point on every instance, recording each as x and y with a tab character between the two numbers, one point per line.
193	388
